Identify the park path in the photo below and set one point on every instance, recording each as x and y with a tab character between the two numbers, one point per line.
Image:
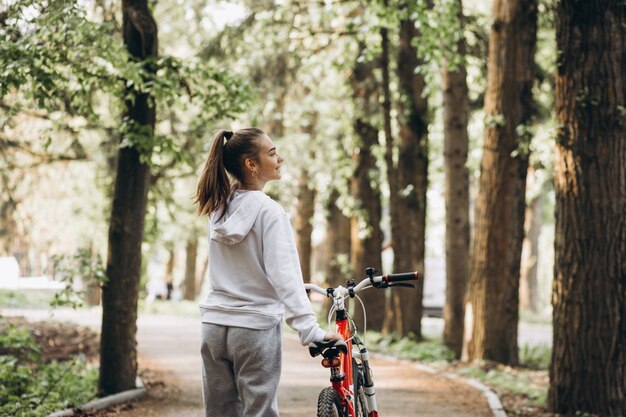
170	363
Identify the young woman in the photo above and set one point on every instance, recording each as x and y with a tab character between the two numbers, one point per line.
255	278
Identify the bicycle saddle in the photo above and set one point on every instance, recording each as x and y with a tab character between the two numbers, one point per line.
328	348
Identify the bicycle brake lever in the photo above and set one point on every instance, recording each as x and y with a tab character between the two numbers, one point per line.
401	284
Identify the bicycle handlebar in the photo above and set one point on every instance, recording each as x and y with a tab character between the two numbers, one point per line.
403	276
381	281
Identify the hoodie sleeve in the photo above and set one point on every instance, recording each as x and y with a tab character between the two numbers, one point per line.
283	269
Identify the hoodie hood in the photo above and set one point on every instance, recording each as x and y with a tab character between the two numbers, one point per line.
243	210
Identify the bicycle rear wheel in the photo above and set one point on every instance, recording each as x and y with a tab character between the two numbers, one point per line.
329	404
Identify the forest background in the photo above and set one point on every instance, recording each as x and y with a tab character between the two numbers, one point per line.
384	112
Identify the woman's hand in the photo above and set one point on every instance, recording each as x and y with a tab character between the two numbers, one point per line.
333	336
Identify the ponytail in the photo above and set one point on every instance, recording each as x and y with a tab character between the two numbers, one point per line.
228	151
214	185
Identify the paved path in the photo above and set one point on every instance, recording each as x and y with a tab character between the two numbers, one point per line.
169	350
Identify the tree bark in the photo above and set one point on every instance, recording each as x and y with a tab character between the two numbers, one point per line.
409	217
305	206
588	368
499	218
529	287
456	142
337	245
338	237
8	227
366	232
118	350
200	277
305	209
189	283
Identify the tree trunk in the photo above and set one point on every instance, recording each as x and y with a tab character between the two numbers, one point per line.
588	369
189	284
409	217
393	312
304	223
118	346
168	276
8	227
456	142
366	232
499	218
338	235
305	206
338	240
529	288
202	274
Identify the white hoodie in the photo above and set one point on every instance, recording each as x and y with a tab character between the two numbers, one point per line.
254	270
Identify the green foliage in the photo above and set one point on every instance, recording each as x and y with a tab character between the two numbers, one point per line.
29	389
503	378
16	341
80	268
426	350
57	58
25	299
495	120
535	357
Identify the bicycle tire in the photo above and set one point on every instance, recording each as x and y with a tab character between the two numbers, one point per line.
329	404
360	404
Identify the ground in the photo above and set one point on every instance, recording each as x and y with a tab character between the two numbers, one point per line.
169	366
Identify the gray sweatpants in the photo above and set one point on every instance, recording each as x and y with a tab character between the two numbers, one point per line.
241	370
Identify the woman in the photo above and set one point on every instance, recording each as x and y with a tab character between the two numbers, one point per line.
255	278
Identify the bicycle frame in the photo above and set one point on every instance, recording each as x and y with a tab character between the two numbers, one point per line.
345	387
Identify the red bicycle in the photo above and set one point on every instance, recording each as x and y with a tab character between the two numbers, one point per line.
352	393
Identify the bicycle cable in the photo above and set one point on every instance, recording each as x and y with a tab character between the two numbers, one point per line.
364	316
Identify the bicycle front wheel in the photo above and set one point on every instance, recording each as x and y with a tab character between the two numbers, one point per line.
329	404
360	403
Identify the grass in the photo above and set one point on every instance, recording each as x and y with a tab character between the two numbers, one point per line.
522	390
39	299
431	351
535	318
176	308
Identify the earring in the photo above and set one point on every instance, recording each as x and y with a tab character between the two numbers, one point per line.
255	174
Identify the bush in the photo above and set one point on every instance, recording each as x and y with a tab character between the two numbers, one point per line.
535	357
32	389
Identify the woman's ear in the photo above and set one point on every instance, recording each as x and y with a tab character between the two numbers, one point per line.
250	164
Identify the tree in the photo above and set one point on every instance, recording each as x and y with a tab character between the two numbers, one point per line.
305	205
529	287
190	291
588	368
411	174
500	203
121	292
366	232
338	241
456	143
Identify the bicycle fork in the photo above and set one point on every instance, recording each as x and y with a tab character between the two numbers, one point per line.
368	384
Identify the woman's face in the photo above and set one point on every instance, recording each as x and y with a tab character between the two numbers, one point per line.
268	165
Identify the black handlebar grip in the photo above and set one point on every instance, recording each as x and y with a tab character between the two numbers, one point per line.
404	276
